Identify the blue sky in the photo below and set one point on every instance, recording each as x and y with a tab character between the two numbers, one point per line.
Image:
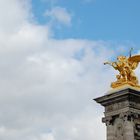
111	20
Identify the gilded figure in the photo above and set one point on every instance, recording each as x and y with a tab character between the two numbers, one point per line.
125	66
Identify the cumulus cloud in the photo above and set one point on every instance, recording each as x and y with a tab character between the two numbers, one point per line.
47	85
13	15
60	15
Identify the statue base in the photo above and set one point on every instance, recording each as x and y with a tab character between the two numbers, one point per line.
122	113
125	83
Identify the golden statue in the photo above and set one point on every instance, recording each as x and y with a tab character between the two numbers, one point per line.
125	66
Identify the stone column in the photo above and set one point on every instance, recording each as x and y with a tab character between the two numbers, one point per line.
129	126
122	114
110	128
110	132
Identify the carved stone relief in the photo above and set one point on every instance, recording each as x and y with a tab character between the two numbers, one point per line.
123	124
137	128
116	106
118	129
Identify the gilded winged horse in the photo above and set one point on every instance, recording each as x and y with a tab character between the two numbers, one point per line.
125	66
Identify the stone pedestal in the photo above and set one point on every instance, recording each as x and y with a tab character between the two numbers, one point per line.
122	114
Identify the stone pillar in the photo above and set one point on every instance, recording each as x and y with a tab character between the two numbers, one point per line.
110	128
129	126
110	132
122	114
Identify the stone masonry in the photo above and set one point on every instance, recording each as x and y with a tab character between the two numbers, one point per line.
122	114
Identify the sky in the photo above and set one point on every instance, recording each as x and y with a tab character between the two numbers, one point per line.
95	19
51	66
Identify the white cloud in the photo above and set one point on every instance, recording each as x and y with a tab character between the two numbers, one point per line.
46	137
59	14
46	91
13	14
